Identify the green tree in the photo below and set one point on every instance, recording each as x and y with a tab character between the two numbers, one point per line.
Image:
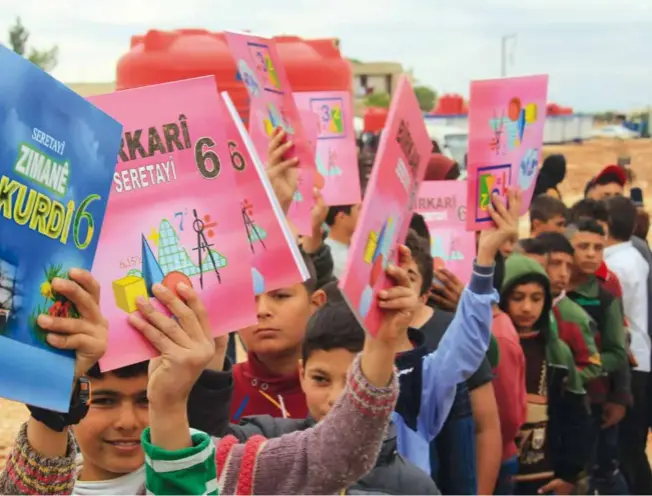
18	38
426	97
378	100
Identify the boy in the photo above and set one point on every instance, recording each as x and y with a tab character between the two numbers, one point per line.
633	272
333	339
268	382
609	398
552	443
547	214
107	431
321	460
609	182
341	220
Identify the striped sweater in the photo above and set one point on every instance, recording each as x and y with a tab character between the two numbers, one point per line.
323	460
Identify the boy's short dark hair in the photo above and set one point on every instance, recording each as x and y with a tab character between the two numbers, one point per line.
311	282
418	223
333	211
545	207
622	218
532	246
332	291
584	225
553	242
130	371
591	209
421	256
331	327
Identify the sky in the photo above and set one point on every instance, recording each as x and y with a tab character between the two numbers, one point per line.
593	50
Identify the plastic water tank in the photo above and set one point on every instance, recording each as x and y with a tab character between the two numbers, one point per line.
163	56
374	119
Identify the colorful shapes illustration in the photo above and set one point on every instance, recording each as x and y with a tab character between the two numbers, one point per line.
531	113
264	66
528	168
491	179
331	118
366	299
258	280
376	269
152	273
521	125
514	109
329	170
370	249
126	290
174	278
153	237
248	78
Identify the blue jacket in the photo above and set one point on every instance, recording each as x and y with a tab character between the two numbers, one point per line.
429	380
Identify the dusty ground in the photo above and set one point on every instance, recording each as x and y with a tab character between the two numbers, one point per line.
584	161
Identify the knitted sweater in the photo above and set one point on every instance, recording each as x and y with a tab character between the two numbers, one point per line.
325	459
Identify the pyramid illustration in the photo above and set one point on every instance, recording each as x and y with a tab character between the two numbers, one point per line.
437	248
332	170
256	233
152	273
173	256
298	197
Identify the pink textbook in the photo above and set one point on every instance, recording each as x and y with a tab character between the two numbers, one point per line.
272	106
443	206
337	159
276	260
173	215
506	121
391	194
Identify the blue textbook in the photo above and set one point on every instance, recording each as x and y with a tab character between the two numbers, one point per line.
57	159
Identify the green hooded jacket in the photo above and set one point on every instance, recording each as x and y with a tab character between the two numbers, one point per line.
519	270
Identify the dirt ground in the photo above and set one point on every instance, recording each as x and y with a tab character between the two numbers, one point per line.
584	160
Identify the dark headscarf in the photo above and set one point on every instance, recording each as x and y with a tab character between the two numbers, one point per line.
552	173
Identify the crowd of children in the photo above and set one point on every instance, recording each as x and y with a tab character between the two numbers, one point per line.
531	379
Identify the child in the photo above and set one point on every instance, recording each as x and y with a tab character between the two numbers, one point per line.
268	382
547	214
341	221
333	339
321	460
552	443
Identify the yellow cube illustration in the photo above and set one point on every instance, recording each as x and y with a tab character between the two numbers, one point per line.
126	290
370	249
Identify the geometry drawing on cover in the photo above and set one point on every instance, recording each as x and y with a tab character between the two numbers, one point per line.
493	179
265	67
273	118
174	263
509	130
331	121
331	168
255	234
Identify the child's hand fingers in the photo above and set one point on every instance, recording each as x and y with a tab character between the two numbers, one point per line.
187	318
86	280
396	298
82	343
399	275
515	198
191	298
277	139
66	325
404	255
276	155
83	301
162	323
157	338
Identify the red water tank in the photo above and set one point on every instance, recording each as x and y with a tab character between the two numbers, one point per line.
163	56
374	119
450	105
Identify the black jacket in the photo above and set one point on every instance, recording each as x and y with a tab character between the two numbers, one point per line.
208	410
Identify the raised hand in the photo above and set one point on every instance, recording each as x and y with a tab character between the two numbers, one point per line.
506	222
86	335
447	291
283	174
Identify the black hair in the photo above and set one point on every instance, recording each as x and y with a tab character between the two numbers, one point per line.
499	271
331	327
421	256
608	178
622	218
333	211
545	207
130	371
589	209
311	282
533	246
418	223
553	242
585	224
332	291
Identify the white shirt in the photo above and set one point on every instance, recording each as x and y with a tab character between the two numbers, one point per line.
632	271
128	484
340	254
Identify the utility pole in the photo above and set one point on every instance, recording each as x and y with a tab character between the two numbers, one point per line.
503	52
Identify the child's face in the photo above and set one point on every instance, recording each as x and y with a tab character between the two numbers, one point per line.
589	251
560	268
525	304
323	378
416	281
556	224
282	318
109	435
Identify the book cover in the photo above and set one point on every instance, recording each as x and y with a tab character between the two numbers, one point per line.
276	259
506	122
271	106
174	213
337	156
443	206
57	157
403	153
